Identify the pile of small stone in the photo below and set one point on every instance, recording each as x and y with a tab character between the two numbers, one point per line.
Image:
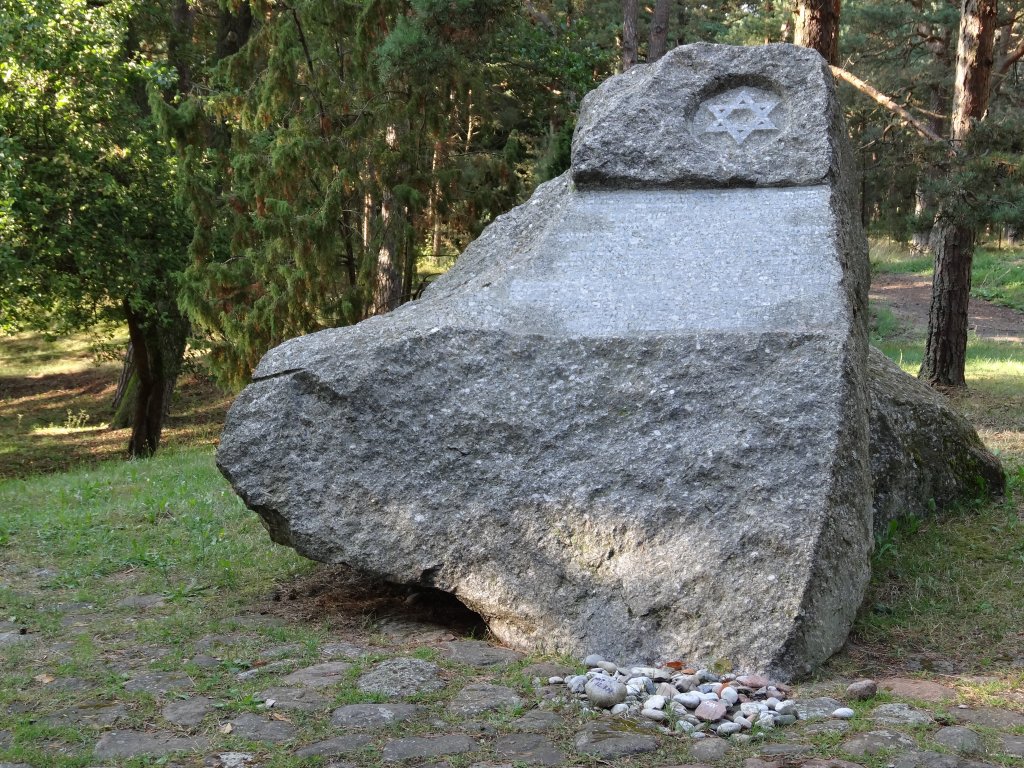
685	700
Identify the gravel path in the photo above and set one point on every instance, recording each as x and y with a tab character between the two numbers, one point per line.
406	691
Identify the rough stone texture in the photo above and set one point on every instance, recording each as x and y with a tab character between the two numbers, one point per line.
608	380
372	716
188	713
299	699
913	688
339	745
823	763
157	683
927	759
125	744
900	714
483	697
610	740
784	748
819	708
827	727
342	649
13	638
709	750
98	714
873	742
538	721
922	450
428	746
477	653
989	717
529	749
256	728
402	677
1013	745
671	100
959	739
319	675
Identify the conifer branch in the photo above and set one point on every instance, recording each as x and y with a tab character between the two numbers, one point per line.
312	73
921	128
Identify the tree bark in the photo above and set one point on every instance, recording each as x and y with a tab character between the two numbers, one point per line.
945	353
952	239
387	282
158	348
630	11
657	41
817	27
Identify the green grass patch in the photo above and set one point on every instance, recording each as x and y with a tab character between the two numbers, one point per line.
998	276
890	257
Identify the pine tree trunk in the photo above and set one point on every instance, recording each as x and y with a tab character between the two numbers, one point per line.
387	282
817	27
945	352
953	240
657	41
630	11
158	349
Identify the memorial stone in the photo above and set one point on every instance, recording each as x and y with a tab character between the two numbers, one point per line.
633	418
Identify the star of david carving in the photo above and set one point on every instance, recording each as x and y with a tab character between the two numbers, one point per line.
743	100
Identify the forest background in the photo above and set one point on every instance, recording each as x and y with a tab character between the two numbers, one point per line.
222	175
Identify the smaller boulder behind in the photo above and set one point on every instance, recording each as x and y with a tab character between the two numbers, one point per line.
924	455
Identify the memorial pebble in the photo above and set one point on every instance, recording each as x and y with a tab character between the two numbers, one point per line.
725	706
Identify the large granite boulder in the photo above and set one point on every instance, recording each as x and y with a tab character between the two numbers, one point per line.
633	419
924	455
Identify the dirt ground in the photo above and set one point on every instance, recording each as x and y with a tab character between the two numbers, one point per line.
909	298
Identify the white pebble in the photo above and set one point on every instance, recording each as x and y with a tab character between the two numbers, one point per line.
727	729
749	708
688	700
729	695
619	709
654	714
655	702
843	713
555	680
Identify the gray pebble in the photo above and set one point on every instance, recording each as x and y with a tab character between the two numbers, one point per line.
605	692
843	713
690	700
861	690
787	707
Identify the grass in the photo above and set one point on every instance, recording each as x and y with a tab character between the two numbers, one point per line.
55	405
